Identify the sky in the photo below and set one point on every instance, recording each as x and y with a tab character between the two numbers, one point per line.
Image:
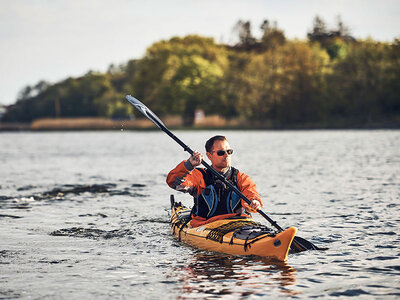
55	39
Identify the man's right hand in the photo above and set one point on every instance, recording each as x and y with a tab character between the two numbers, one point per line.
196	159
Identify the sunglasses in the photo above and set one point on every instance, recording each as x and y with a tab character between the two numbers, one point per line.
222	152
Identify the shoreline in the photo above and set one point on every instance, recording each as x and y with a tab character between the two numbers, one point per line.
174	122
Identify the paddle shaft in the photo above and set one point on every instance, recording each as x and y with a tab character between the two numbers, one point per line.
299	244
218	175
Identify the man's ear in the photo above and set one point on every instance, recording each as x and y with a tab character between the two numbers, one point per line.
209	155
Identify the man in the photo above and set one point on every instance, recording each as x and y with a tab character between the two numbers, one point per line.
213	200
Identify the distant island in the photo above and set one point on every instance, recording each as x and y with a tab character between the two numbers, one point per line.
330	80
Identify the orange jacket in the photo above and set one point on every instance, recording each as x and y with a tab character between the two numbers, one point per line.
181	179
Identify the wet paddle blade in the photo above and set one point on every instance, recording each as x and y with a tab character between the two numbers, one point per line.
146	111
299	244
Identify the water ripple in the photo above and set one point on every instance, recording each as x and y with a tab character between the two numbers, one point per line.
83	216
93	233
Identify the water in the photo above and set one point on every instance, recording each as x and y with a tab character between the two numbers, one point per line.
85	215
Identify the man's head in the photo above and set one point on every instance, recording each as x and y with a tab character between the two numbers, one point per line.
218	152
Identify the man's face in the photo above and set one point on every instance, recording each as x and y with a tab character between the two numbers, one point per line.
219	163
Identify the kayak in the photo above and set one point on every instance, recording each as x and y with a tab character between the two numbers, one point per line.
238	235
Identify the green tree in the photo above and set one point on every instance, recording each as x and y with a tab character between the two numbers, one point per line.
73	97
272	36
181	75
362	83
390	97
269	82
246	39
335	41
319	31
282	86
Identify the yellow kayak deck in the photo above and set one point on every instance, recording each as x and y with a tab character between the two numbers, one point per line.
237	236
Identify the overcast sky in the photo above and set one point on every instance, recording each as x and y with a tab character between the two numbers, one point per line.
55	39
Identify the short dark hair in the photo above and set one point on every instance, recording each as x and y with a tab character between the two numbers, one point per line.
210	142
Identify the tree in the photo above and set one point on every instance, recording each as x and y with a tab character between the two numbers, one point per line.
272	36
335	41
282	86
319	31
72	97
268	82
246	38
181	75
342	29
31	91
362	87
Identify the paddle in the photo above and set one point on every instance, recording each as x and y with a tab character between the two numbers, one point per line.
299	244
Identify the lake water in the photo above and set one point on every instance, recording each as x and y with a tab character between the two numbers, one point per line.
85	215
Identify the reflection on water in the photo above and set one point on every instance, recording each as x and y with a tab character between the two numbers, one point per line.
209	274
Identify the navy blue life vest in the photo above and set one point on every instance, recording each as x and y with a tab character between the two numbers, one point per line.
217	199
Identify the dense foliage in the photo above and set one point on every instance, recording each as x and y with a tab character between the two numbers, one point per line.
330	80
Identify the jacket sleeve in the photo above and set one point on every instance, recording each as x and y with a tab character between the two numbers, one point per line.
185	179
248	188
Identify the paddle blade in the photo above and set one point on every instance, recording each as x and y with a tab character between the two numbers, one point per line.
146	111
299	244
